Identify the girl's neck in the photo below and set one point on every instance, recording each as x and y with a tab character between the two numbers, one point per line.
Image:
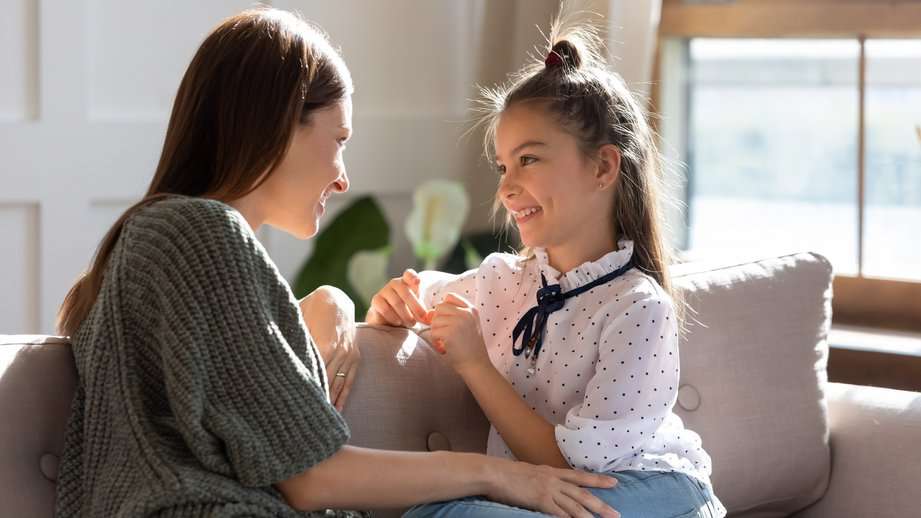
570	255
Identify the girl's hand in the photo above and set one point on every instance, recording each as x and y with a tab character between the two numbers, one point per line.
397	304
330	317
456	333
554	491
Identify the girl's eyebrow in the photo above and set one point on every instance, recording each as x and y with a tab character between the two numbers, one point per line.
523	145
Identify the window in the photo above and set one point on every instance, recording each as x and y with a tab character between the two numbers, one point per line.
773	133
892	246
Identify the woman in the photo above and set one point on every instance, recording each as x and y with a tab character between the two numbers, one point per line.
201	392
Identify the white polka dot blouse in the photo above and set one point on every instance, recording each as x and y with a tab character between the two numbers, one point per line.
607	375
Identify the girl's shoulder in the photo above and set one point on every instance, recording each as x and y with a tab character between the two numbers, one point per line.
500	266
638	287
504	260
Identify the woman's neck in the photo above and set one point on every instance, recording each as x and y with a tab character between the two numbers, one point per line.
250	209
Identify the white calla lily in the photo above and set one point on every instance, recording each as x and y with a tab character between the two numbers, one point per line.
434	225
367	272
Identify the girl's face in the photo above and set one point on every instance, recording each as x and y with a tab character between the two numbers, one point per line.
312	169
559	199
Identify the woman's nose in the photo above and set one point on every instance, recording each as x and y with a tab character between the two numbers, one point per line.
342	183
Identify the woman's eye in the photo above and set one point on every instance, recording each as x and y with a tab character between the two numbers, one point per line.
500	169
526	160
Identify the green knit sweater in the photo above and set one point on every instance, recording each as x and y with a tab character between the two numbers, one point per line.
199	386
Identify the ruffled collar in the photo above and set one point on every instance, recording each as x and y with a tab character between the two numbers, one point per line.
587	271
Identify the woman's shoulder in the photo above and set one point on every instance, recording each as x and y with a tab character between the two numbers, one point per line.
178	218
193	230
189	212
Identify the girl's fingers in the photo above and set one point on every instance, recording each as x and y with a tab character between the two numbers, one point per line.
384	311
446	309
410	300
411	278
456	300
396	304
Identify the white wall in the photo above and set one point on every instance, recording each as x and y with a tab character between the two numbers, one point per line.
86	88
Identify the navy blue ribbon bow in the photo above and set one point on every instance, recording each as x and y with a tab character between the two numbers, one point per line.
550	299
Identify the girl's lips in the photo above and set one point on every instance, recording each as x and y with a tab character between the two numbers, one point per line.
527	214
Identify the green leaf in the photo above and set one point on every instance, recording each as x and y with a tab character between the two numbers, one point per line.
472	258
359	227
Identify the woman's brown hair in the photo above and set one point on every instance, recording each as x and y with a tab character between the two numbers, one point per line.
256	77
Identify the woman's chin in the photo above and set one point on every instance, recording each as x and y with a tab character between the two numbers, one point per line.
303	232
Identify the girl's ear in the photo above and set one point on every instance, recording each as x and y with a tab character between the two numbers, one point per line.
608	165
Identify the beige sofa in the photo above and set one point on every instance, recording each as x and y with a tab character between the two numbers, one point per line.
784	441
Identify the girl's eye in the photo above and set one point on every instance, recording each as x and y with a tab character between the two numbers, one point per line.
526	160
500	169
342	141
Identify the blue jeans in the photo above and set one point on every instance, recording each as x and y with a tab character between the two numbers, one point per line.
638	494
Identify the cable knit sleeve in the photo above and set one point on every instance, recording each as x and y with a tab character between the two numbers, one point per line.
245	386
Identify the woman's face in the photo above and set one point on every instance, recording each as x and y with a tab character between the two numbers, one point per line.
294	196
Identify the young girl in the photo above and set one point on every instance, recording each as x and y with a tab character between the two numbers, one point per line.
571	347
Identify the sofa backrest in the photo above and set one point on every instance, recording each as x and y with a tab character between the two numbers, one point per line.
752	385
753	378
37	380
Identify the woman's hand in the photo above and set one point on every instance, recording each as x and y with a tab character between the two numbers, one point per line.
397	304
554	491
330	317
456	333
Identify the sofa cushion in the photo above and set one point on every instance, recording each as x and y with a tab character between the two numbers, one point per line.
37	381
753	378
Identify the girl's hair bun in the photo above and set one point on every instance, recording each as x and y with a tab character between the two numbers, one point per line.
564	53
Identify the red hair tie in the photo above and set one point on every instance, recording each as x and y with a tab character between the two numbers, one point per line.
553	59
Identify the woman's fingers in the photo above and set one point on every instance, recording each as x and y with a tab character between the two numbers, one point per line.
553	509
586	479
588	501
347	386
570	506
334	366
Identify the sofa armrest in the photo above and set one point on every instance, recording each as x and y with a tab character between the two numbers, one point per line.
876	453
407	398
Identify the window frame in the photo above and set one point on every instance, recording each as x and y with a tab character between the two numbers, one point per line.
858	300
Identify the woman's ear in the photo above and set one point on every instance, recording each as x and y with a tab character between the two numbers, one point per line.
608	166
